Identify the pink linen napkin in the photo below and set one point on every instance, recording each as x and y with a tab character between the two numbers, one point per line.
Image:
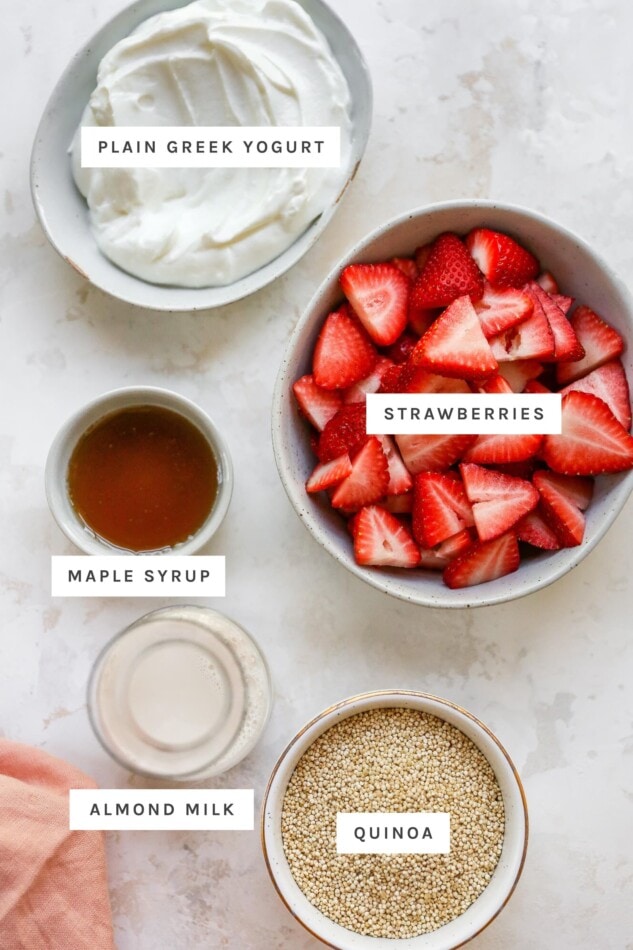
53	884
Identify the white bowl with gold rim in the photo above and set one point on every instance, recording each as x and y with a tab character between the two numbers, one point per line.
504	879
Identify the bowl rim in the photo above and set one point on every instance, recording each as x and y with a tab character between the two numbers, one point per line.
101	406
415	695
375	577
187	299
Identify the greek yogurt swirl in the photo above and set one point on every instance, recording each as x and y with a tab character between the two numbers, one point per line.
213	63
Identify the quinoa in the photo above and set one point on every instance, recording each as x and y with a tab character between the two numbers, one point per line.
392	760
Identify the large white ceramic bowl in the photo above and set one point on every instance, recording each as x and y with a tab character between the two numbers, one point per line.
504	880
581	273
63	445
63	212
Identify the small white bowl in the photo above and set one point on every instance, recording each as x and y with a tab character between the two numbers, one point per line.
581	273
56	474
506	875
63	212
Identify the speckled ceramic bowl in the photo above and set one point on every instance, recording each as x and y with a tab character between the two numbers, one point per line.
581	273
63	212
504	880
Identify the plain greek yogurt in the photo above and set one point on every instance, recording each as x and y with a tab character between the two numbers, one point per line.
213	63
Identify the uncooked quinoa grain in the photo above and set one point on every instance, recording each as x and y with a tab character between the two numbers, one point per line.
392	760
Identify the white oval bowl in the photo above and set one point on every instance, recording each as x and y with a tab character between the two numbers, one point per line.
63	212
506	875
581	273
59	454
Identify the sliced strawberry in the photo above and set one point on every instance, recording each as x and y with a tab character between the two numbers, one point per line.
432	453
567	346
501	449
407	265
519	372
399	504
530	340
436	559
534	387
578	491
440	508
497	385
415	379
367	481
421	318
601	344
379	294
449	273
608	383
318	405
371	384
381	540
345	432
592	441
559	497
523	469
484	562
548	282
327	474
500	309
400	351
503	262
390	382
563	302
399	479
422	255
498	501
534	530
343	354
455	345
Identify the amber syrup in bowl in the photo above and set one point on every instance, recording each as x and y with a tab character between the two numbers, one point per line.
143	478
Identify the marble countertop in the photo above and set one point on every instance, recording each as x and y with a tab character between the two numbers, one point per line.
527	102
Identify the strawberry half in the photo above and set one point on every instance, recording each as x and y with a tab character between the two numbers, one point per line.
436	559
379	294
531	340
455	344
567	346
343	354
503	262
367	481
407	265
400	480
318	405
498	501
548	282
327	474
518	373
608	383
440	508
484	562
415	379
381	540
500	309
501	449
534	530
449	273
563	500
432	453
346	432
592	441
371	384
601	344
